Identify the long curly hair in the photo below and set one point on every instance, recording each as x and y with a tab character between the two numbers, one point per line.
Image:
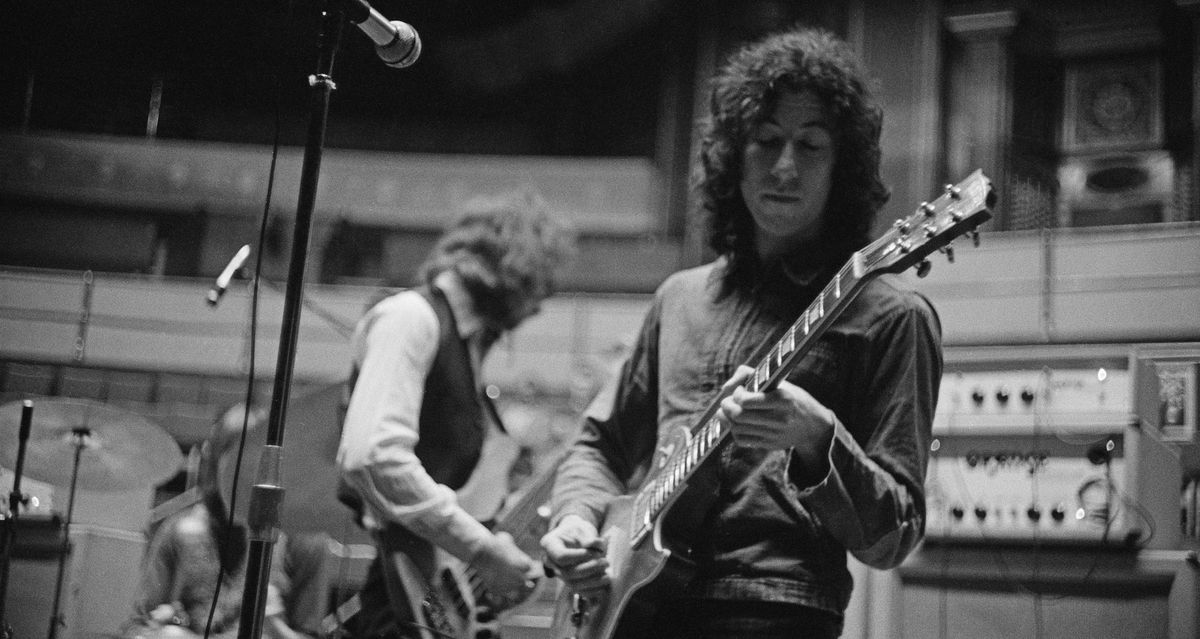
507	250
744	93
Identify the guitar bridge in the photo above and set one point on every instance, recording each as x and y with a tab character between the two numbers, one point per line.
435	613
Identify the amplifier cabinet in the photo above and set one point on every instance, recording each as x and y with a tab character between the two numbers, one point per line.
100	580
1054	493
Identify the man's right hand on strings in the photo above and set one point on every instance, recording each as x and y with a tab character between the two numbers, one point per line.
576	553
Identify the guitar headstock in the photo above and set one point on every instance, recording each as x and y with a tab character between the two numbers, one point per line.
959	210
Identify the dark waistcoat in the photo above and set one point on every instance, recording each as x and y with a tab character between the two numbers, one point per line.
452	421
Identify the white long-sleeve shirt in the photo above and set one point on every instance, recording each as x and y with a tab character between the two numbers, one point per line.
393	349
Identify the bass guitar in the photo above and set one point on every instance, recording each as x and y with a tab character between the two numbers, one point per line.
643	563
443	595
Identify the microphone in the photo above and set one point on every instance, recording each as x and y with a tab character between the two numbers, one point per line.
223	279
396	43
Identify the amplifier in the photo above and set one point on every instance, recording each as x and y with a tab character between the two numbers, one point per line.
1037	488
1034	454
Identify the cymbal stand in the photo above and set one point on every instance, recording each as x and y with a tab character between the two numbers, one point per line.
79	437
15	501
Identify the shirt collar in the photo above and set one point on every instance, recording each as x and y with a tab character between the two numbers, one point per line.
469	323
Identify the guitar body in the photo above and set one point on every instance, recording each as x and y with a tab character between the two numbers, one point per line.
429	587
641	574
435	593
418	597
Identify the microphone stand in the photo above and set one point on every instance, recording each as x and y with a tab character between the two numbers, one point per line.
15	500
266	498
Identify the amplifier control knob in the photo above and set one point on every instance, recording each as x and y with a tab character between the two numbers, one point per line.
1034	513
957	511
1027	395
1058	513
977	396
1002	395
980	513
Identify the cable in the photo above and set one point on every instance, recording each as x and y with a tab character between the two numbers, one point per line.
1035	494
253	333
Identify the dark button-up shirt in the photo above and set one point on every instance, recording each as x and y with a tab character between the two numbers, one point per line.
776	531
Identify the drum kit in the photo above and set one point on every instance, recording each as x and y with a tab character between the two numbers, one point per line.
76	444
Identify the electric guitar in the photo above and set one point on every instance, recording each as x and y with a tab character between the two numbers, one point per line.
443	595
644	564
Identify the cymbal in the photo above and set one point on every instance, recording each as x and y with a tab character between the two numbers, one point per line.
119	450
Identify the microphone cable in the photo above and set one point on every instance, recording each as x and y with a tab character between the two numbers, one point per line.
252	336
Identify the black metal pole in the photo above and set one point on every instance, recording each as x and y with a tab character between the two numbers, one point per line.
266	497
15	501
78	440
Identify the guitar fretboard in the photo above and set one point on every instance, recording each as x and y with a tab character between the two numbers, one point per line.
706	437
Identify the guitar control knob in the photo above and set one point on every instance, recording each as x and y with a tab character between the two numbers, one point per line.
578	609
923	268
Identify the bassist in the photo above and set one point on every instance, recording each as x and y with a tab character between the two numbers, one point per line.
417	416
830	461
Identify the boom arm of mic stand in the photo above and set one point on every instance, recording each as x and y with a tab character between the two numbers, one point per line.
342	328
267	496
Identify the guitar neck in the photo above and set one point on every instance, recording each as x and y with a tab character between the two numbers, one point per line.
525	520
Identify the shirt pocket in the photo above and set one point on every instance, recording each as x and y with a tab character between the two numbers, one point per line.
776	486
821	372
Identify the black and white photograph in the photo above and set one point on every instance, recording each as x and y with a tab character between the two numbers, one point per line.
600	319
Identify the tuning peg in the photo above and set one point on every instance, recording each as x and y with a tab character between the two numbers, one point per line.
953	191
903	226
923	268
926	208
975	237
948	251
